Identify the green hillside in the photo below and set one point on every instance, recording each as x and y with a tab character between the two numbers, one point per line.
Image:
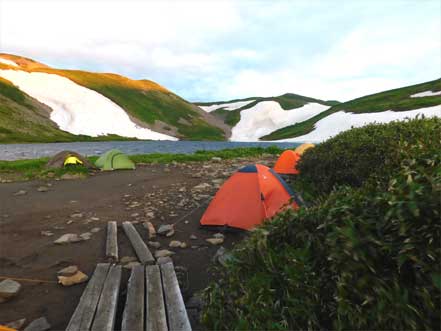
287	101
395	100
148	103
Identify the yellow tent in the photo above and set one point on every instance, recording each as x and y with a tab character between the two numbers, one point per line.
72	160
303	147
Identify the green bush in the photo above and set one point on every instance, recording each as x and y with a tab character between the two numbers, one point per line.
371	152
365	258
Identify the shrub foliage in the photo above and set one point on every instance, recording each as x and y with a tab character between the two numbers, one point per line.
366	257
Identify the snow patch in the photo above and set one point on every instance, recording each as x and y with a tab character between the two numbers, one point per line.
425	94
226	106
269	116
77	109
8	62
342	121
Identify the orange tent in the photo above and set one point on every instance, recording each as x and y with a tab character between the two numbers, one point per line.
287	162
251	195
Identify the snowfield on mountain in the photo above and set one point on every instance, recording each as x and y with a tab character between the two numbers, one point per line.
77	109
226	106
341	121
8	62
425	94
268	116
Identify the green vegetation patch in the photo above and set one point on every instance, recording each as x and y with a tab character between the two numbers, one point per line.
395	100
363	257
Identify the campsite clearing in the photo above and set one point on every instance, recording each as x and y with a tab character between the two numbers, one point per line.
156	193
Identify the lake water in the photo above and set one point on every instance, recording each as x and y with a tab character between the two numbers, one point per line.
31	151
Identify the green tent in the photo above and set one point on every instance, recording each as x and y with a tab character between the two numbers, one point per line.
113	160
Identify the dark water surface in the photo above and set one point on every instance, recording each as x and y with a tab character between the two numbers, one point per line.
31	151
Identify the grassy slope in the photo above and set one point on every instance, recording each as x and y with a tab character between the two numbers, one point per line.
287	101
396	100
144	100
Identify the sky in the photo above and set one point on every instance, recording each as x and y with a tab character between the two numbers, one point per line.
222	50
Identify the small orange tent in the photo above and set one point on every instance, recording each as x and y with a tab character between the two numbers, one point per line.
287	162
251	195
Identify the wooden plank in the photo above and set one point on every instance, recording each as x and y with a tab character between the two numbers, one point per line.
112	242
156	319
106	311
133	316
141	249
176	312
82	317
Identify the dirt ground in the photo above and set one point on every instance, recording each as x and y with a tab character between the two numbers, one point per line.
161	194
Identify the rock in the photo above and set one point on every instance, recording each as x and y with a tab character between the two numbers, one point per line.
215	241
164	260
47	233
77	278
165	228
128	259
67	238
134	215
95	218
174	244
8	289
77	215
218	235
170	233
132	264
69	222
68	176
40	324
183	245
95	230
21	192
219	252
201	187
43	189
17	325
154	244
151	229
193	237
68	271
163	253
216	159
150	214
86	236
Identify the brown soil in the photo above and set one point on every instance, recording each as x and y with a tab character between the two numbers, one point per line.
165	190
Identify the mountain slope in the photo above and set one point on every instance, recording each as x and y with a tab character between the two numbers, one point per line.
24	119
147	104
384	106
252	118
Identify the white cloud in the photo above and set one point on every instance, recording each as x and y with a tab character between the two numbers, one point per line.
219	50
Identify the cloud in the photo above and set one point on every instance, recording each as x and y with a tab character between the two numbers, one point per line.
217	50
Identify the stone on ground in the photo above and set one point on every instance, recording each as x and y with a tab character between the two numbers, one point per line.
175	244
86	236
67	238
151	229
21	192
77	278
218	235
68	271
163	253
170	233
42	189
8	289
193	237
132	264
165	228
40	324
215	241
154	244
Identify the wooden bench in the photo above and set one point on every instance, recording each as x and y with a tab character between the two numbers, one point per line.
154	301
